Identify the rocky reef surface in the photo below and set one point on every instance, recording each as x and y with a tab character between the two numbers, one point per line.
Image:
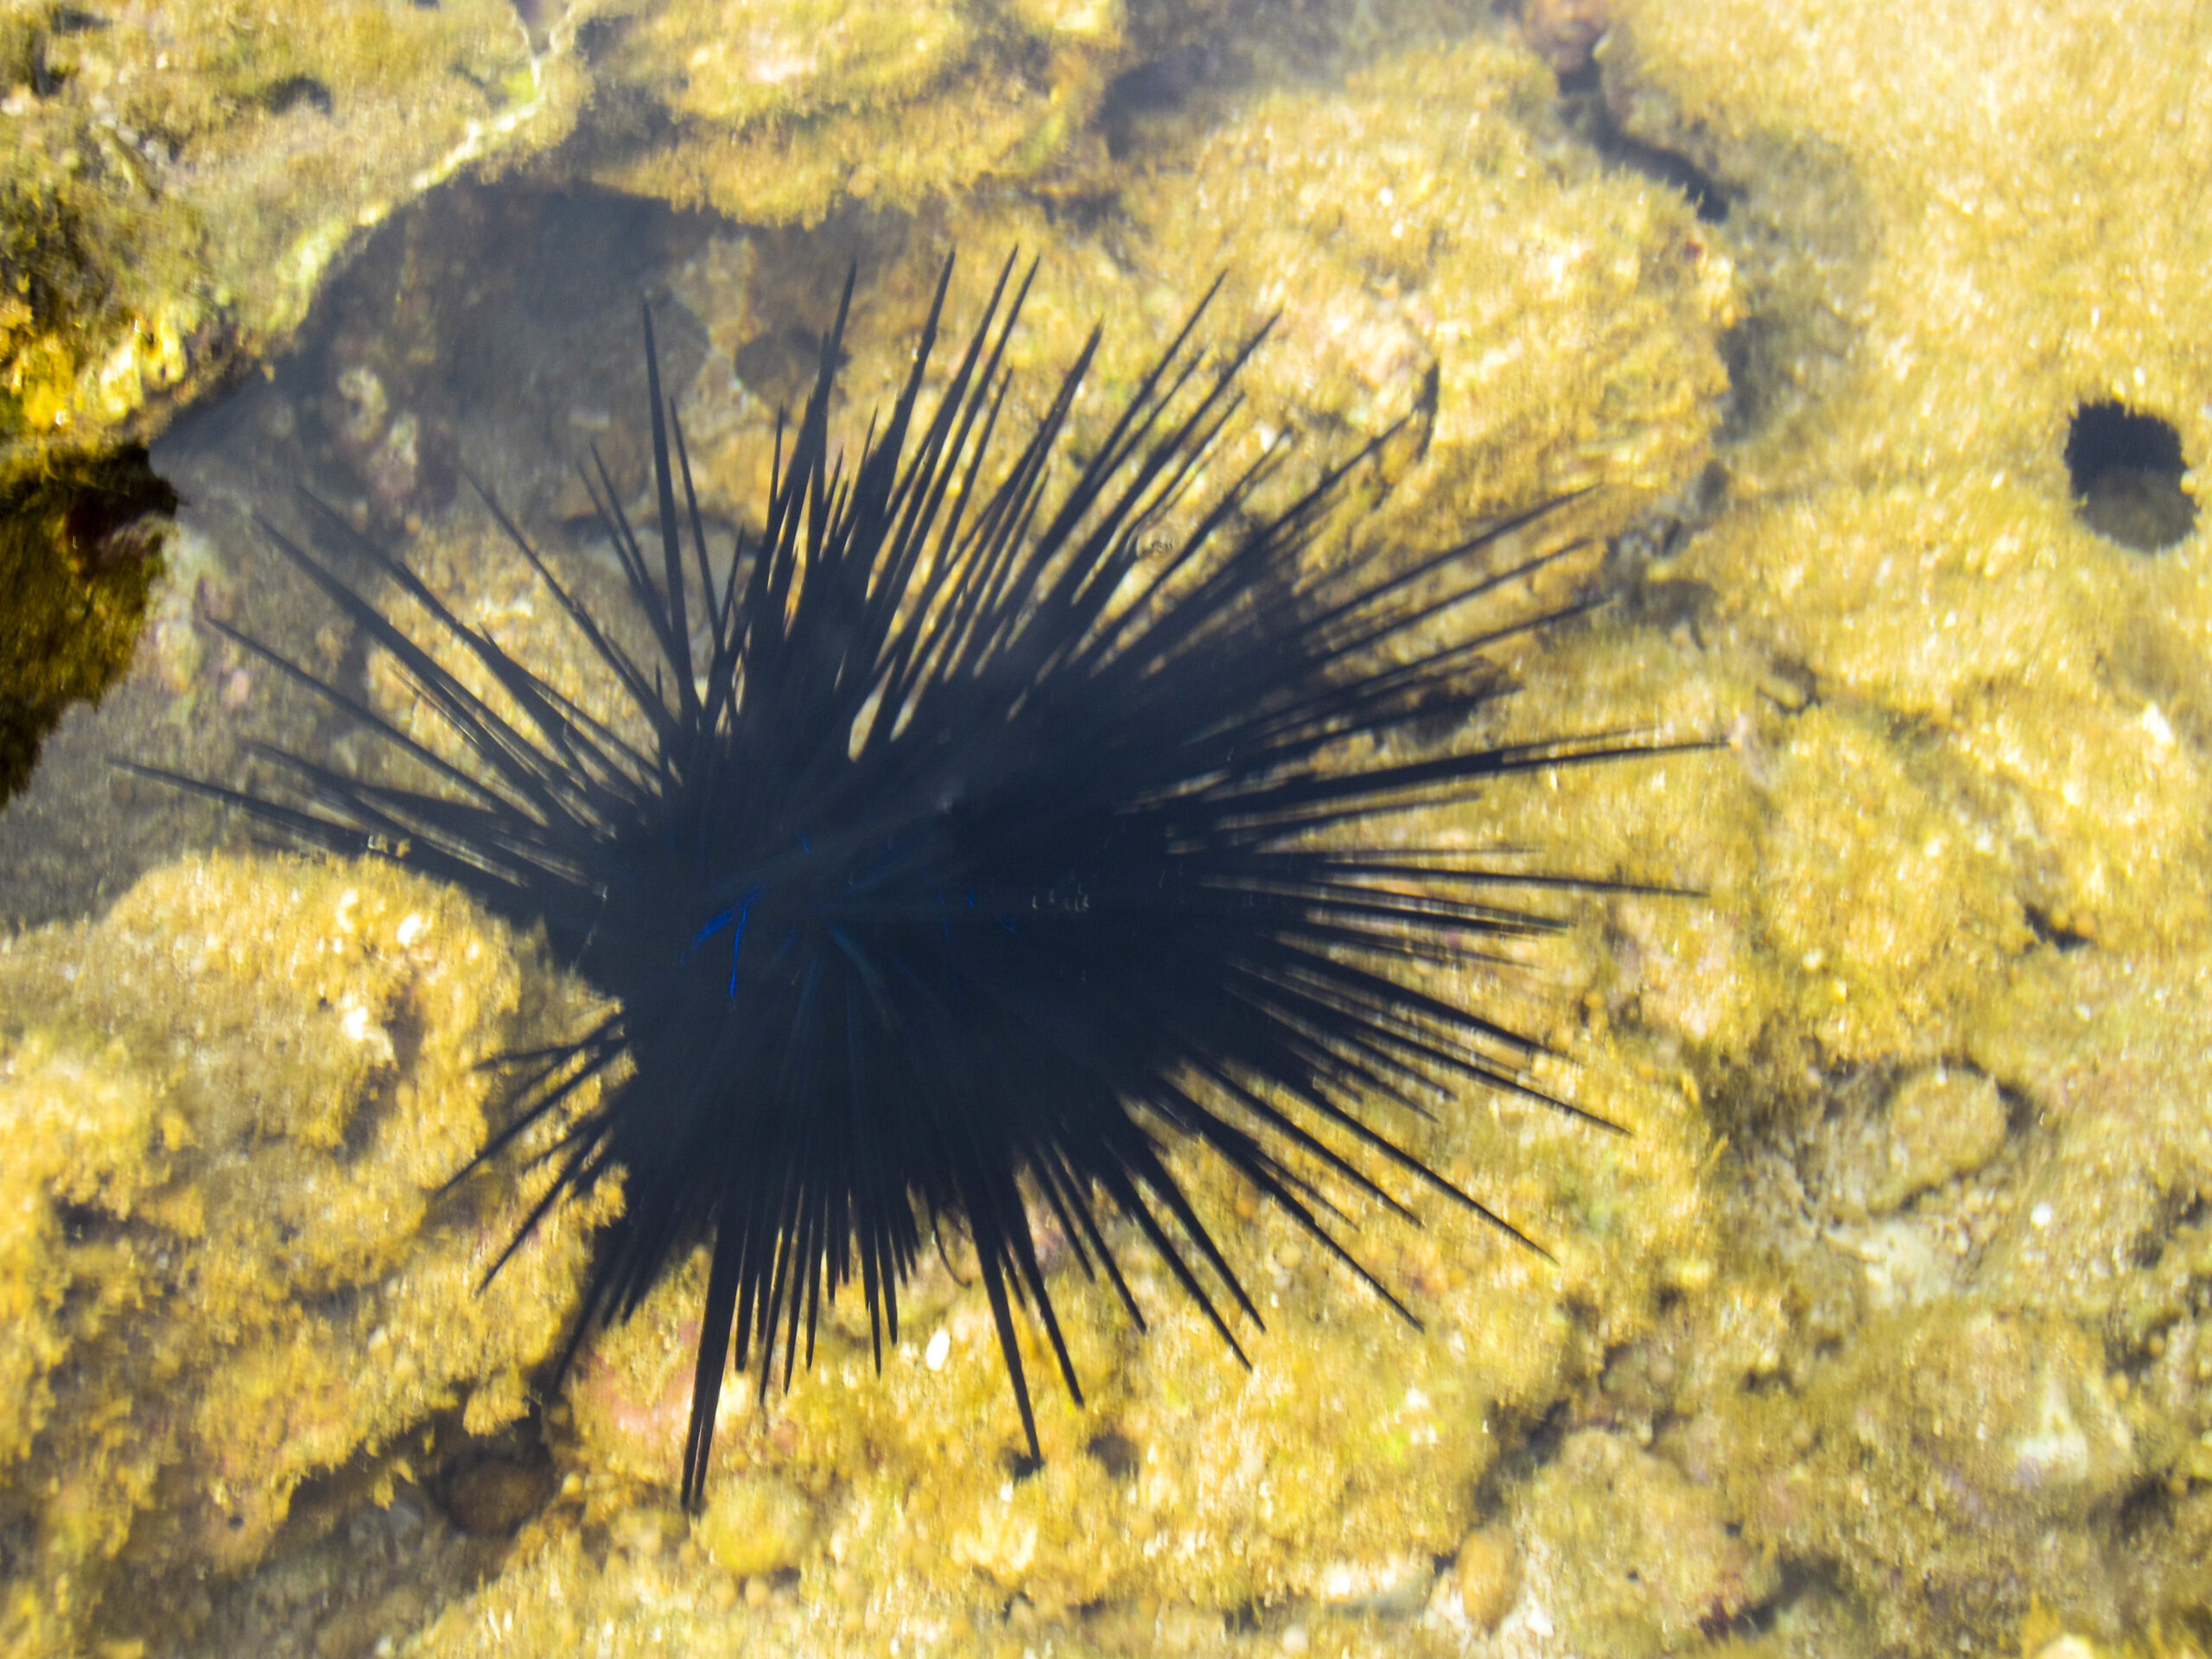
1880	350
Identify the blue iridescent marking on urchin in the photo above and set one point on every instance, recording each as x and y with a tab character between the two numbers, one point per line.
734	920
1114	714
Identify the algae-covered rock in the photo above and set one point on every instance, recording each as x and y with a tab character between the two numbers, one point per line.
176	183
1429	245
1977	257
1938	1125
777	111
1984	1455
2112	1063
1632	1557
1962	243
1437	263
230	1107
179	180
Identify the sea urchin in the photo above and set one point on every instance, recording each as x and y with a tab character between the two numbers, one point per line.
972	838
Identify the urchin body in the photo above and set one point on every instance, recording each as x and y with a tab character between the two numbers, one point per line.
999	830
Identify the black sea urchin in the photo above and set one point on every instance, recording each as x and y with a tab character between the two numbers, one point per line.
980	836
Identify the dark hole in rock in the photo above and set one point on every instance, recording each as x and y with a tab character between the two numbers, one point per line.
1582	97
295	91
1117	1453
493	1484
1140	96
113	521
778	366
2127	469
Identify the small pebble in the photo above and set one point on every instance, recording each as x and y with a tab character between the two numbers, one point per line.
754	1525
1942	1124
1563	32
1489	1572
490	1498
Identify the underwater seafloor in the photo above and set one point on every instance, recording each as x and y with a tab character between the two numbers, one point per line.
1880	343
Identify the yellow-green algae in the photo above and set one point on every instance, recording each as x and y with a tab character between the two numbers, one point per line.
229	1107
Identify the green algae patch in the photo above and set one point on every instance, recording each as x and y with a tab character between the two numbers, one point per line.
80	548
230	1105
